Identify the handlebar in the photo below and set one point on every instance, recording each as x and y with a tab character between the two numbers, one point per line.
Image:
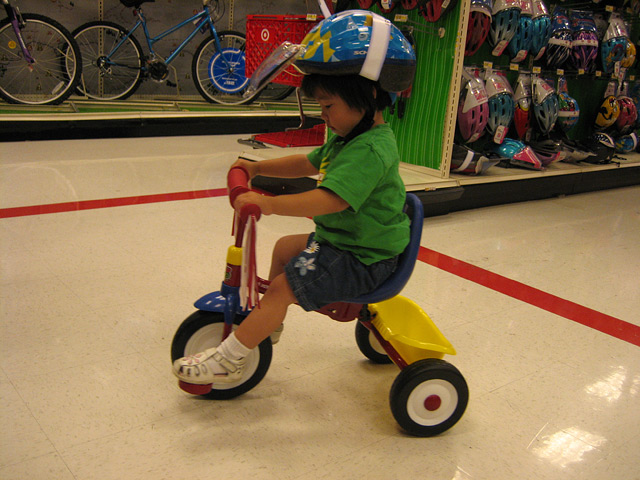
237	184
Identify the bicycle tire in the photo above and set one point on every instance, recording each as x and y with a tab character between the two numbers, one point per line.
57	68
116	78
207	59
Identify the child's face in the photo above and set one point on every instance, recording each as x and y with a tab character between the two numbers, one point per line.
338	116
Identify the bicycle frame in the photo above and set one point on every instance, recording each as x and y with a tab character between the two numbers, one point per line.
202	20
16	21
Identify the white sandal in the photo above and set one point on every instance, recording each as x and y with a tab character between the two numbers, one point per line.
194	369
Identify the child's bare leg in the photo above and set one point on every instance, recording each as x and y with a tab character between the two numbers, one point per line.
226	362
263	320
284	250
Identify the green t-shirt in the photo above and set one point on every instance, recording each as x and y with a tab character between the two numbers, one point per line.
364	173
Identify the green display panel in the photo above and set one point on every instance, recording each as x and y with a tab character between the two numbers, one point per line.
420	131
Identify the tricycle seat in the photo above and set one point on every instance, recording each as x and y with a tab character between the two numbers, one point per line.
407	260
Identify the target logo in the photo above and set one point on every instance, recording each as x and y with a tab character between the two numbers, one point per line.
264	35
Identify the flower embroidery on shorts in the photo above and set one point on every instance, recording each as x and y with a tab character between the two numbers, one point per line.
313	247
304	265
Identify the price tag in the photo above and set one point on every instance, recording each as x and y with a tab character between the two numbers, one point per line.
312	17
514	67
537	70
487	65
560	71
400	17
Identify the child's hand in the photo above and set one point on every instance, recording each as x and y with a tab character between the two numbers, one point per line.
253	198
250	167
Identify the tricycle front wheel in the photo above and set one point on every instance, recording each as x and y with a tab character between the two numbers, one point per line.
202	330
428	397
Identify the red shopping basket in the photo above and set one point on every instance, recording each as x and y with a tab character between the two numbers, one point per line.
266	32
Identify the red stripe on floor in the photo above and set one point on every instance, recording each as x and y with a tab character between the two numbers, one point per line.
108	203
591	318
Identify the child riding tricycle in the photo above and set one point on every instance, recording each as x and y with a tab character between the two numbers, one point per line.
360	255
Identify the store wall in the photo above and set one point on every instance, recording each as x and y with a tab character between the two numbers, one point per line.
160	15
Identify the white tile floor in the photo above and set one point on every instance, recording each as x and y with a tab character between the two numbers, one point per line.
90	301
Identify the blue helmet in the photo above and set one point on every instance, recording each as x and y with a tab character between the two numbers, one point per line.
545	105
541	29
501	104
506	18
518	154
627	143
359	42
520	44
560	43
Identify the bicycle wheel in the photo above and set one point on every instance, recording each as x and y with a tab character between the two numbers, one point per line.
56	69
219	76
109	73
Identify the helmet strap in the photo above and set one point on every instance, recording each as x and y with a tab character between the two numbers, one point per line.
377	51
364	125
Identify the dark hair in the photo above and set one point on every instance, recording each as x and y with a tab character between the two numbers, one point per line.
356	91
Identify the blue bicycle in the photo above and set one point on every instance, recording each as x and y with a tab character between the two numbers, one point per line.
114	65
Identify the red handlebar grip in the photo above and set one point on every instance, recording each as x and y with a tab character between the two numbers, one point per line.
237	183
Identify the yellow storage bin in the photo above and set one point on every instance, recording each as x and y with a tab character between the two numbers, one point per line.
409	329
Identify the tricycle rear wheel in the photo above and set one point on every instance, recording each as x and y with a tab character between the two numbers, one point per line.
428	397
369	345
202	330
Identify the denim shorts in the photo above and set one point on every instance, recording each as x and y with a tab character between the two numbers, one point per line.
322	274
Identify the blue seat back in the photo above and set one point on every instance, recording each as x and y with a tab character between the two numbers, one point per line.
407	260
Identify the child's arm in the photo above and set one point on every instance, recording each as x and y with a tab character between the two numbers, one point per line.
318	201
291	166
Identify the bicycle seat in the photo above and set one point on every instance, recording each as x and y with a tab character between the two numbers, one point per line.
134	3
407	260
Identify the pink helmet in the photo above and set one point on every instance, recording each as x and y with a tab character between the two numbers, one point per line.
627	116
473	109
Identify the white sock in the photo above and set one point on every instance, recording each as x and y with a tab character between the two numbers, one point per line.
232	349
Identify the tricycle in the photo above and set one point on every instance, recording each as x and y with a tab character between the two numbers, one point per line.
428	396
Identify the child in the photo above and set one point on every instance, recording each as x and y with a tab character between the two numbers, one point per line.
357	205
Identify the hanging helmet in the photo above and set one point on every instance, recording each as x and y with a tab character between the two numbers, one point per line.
559	46
585	40
634	93
568	111
541	28
518	154
387	5
548	150
520	44
501	106
506	17
602	146
627	116
359	42
479	25
469	162
432	10
629	55
626	143
409	4
365	4
522	113
545	105
608	113
473	109
614	44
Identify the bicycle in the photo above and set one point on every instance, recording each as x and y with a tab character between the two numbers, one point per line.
428	396
39	59
114	65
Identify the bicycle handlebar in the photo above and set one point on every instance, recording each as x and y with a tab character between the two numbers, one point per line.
237	184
